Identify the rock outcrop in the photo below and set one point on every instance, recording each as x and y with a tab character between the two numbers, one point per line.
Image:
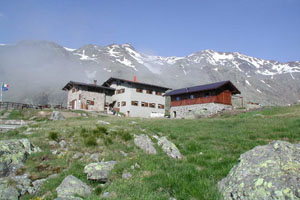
99	171
13	154
169	148
265	172
145	143
71	187
55	115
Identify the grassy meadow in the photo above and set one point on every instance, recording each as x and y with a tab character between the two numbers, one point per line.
211	147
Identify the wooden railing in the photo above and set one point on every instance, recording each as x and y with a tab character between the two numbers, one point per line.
14	105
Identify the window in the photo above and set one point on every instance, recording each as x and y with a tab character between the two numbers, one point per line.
177	98
134	103
161	106
89	102
73	90
206	94
118	104
158	93
144	104
149	91
123	103
139	90
152	105
80	97
192	96
120	91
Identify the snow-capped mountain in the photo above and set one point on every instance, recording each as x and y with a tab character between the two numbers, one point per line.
47	66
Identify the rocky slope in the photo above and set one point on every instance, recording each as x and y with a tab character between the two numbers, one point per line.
37	70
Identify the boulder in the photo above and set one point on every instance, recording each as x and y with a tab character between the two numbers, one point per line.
62	144
55	115
72	187
265	172
95	157
99	171
126	175
7	191
77	155
13	154
101	122
145	143
169	148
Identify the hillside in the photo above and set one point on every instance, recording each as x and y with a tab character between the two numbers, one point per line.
210	148
37	70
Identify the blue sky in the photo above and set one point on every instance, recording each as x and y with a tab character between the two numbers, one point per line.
268	29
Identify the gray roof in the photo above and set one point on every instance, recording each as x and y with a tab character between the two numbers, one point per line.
111	79
73	83
206	87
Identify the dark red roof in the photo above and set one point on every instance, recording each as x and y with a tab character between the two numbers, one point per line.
206	87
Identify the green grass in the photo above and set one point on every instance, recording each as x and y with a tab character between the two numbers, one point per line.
211	147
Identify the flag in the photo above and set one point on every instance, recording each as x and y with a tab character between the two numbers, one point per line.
4	87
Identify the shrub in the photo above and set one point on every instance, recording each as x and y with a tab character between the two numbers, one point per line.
125	135
53	136
98	190
107	141
90	141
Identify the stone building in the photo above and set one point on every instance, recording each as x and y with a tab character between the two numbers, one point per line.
136	99
202	100
82	96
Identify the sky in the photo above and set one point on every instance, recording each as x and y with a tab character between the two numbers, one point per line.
267	29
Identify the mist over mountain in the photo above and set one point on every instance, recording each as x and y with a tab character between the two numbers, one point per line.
37	71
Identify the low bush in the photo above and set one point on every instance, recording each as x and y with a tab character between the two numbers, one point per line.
53	135
90	141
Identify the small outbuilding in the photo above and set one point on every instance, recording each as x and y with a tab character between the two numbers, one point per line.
209	99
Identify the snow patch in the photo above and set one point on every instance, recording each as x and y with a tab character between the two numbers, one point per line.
248	82
258	90
66	48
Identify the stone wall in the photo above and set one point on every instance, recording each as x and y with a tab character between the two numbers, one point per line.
197	110
98	98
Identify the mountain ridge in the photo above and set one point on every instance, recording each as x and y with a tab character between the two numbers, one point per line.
262	81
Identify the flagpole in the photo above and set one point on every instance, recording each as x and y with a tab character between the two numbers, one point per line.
1	92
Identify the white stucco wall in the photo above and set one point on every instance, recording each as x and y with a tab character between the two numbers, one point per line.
130	94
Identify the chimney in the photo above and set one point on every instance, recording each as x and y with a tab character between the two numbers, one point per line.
95	82
134	79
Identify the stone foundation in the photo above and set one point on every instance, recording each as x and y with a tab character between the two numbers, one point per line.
198	110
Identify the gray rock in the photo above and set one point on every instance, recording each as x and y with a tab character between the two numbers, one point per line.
77	155
62	144
22	183
36	186
95	157
124	154
102	122
13	153
107	195
126	175
169	148
145	143
8	192
55	115
53	143
72	187
99	171
265	172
